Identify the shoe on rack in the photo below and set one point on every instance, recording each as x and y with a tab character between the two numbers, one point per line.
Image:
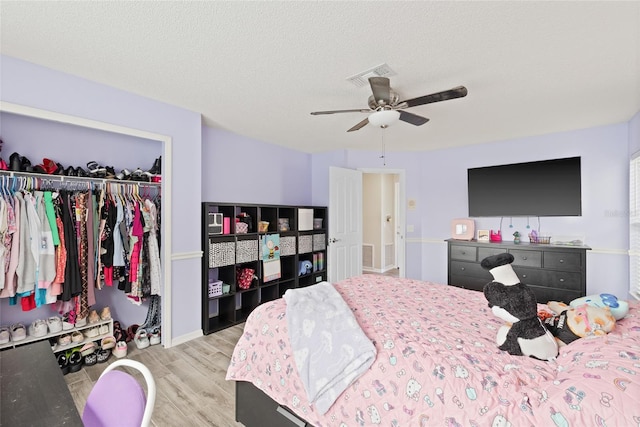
81	172
93	316
4	334
38	328
63	363
110	173
96	170
90	359
25	165
141	339
3	165
121	349
75	360
49	166
54	323
60	170
15	163
18	332
76	336
108	342
92	332
103	329
81	322
64	339
103	355
88	348
105	313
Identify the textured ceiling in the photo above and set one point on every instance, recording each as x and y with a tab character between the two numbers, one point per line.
259	68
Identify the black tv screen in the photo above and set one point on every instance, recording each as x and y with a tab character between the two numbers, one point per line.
542	188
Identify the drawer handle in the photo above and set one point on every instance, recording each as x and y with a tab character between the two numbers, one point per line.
461	268
524	275
463	253
561	261
561	280
524	258
290	416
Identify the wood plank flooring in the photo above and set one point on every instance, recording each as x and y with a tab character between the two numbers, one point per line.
190	380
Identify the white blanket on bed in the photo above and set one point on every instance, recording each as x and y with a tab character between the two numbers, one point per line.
330	349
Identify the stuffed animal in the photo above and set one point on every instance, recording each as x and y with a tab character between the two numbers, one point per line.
570	323
305	268
513	302
618	308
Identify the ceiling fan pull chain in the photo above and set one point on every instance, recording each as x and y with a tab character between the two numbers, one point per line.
383	157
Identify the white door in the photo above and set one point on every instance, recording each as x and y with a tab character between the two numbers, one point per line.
345	224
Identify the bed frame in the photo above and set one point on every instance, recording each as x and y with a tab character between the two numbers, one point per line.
256	409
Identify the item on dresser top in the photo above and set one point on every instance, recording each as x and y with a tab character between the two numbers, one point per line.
495	236
618	308
514	303
463	228
571	323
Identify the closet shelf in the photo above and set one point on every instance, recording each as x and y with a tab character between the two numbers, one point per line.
63	178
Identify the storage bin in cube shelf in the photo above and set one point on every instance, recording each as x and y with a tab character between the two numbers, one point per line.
287	245
215	288
221	254
305	244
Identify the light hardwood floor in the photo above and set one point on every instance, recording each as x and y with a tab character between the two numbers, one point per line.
190	380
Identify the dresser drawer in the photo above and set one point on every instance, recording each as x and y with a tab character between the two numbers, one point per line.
544	295
550	278
465	253
527	258
468	282
485	252
472	269
567	261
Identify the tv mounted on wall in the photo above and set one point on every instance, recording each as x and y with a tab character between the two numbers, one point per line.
541	188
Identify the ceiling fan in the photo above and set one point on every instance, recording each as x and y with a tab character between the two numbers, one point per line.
385	107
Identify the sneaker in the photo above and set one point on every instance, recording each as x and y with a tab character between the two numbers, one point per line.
105	314
103	329
54	323
18	332
81	322
63	363
121	349
93	317
38	328
92	332
88	348
154	338
75	361
103	355
64	339
90	359
141	339
4	334
76	336
108	342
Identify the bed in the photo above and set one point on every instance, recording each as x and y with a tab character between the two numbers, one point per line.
437	364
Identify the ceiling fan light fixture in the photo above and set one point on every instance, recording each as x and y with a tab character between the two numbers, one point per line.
384	118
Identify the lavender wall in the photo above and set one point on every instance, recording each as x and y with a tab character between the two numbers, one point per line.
34	86
437	181
240	169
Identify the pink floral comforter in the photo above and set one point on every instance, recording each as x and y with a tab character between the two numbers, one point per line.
438	364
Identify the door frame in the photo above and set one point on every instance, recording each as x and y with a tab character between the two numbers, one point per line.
400	236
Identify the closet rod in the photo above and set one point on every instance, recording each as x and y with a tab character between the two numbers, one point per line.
63	178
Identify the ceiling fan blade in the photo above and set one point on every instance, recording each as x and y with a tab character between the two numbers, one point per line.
456	92
413	119
359	125
315	113
381	90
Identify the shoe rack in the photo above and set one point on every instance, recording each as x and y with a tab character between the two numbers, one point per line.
82	329
228	246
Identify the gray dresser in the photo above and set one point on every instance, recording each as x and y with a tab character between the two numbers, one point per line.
554	273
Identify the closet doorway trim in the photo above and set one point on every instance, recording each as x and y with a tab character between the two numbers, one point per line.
166	141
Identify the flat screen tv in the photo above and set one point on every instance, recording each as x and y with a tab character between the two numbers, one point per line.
542	188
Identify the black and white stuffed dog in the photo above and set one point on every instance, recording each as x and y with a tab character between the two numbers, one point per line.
513	302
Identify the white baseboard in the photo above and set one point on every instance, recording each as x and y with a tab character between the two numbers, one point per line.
187	337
